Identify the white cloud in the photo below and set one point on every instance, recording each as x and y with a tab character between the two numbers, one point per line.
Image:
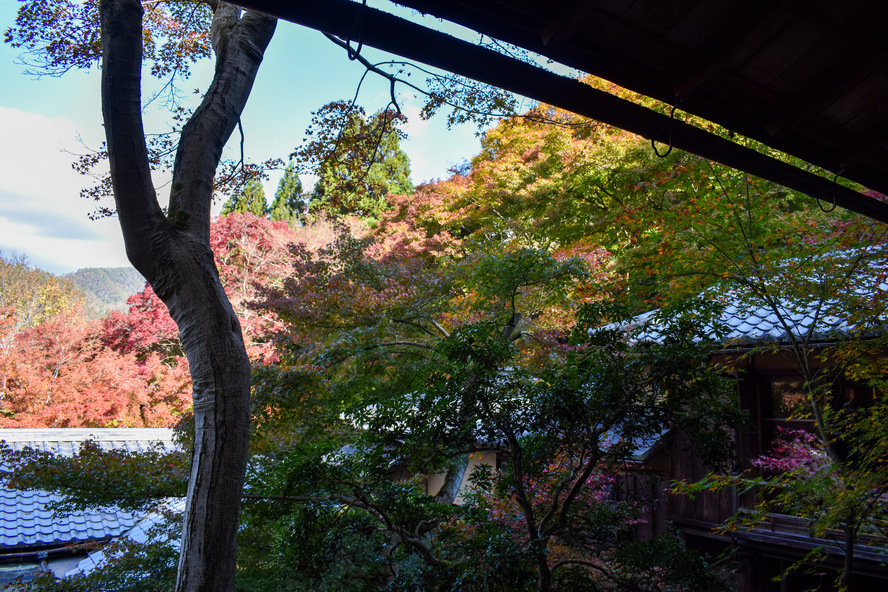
41	211
433	148
33	160
61	254
417	127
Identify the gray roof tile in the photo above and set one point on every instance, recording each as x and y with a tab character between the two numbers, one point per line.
141	533
26	521
747	322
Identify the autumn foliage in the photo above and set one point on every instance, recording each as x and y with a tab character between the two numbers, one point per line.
483	313
129	369
61	374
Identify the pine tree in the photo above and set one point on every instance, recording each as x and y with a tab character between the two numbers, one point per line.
288	202
365	165
249	201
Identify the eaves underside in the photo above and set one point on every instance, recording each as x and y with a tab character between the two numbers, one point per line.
804	78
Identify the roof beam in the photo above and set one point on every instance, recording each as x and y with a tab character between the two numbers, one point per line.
874	140
517	22
412	41
814	99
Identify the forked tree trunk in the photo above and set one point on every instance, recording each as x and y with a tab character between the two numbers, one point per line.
172	251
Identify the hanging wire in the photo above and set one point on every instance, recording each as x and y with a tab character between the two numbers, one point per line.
668	125
357	24
820	202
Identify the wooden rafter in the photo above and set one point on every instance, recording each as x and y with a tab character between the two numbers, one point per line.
754	21
395	35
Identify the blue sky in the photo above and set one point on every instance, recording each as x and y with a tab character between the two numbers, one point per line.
44	122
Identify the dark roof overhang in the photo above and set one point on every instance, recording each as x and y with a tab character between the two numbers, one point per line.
627	59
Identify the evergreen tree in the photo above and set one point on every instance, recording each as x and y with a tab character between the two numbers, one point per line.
360	165
288	203
251	200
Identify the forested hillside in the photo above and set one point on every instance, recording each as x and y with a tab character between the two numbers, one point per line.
106	289
29	296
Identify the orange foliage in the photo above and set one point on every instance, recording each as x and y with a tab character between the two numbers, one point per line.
59	374
129	369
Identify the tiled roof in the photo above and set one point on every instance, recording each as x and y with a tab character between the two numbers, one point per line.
761	324
140	533
745	324
26	521
747	319
68	440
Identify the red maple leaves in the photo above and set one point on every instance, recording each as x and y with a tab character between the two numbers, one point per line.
129	369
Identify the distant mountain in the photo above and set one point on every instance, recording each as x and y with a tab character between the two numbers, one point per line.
106	288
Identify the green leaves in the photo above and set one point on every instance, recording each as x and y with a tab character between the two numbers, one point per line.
421	358
99	477
358	160
523	279
289	203
249	200
126	570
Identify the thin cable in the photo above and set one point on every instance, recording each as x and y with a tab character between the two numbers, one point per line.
667	125
820	202
356	24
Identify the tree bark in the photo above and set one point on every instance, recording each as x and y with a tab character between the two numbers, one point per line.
173	253
456	472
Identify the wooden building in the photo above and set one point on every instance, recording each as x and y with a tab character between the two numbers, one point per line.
771	391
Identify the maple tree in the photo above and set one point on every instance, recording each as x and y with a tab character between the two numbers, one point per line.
413	350
686	227
474	397
170	248
391	329
249	252
28	297
129	369
449	317
62	373
670	225
546	181
669	228
147	326
817	274
833	476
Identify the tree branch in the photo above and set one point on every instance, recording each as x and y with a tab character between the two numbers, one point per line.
584	563
136	201
410	343
241	47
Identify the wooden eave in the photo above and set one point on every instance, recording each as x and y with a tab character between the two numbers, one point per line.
806	78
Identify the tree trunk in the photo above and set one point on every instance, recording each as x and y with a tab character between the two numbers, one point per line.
456	472
544	584
172	252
